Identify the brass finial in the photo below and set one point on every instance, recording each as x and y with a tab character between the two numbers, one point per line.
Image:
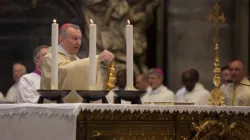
111	79
216	97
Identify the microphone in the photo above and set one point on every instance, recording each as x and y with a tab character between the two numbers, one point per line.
231	81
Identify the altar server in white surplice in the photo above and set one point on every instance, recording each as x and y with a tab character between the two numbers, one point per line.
72	71
159	92
29	83
193	91
18	71
236	94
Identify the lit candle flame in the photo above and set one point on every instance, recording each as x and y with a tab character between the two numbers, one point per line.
128	22
91	21
54	20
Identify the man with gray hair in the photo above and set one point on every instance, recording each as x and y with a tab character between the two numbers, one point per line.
72	71
29	83
18	71
159	92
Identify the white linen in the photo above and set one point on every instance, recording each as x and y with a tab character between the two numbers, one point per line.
161	94
199	95
38	121
11	94
27	88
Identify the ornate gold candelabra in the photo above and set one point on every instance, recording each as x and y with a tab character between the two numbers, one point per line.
111	79
216	97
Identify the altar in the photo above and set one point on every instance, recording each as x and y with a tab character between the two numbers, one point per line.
122	122
160	122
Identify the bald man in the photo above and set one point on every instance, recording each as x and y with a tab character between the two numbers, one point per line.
18	71
234	93
193	91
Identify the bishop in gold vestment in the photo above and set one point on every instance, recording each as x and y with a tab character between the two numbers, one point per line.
72	71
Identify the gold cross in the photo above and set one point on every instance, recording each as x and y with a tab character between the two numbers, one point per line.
216	17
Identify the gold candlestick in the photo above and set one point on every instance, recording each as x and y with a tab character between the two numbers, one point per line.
111	79
216	97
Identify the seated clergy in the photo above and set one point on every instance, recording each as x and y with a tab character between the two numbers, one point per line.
18	71
234	93
142	84
29	83
193	91
72	71
159	92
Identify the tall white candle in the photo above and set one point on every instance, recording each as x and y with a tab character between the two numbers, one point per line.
92	55
54	65
129	57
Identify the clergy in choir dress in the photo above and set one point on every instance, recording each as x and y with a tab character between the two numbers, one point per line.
193	91
159	92
30	83
18	71
236	94
73	72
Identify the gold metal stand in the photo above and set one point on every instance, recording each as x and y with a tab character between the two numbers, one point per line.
216	97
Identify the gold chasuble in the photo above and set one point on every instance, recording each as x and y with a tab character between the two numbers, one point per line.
72	74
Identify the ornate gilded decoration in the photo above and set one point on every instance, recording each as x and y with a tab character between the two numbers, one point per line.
212	129
157	125
111	79
216	97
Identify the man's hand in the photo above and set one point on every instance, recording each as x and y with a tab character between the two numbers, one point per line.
105	55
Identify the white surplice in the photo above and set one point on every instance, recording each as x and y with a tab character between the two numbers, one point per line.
2	97
12	93
27	88
161	94
199	95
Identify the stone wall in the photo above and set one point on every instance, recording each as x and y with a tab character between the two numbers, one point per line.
190	39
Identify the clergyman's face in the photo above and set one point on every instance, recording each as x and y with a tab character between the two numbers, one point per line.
18	71
237	71
72	40
226	75
141	84
40	57
155	81
189	82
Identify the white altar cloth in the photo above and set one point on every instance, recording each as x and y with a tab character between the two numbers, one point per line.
38	121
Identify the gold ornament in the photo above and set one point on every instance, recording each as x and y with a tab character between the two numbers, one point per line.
216	97
111	79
